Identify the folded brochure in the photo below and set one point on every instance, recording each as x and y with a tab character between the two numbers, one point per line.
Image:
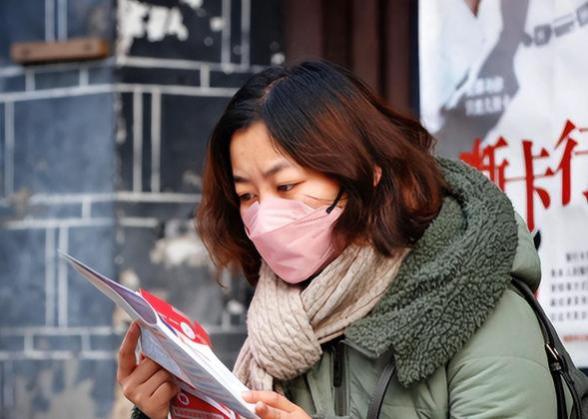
182	347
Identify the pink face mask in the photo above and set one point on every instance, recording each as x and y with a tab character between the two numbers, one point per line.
293	238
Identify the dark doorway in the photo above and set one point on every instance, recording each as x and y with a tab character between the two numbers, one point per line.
376	39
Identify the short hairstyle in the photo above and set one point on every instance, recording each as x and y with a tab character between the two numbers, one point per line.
326	119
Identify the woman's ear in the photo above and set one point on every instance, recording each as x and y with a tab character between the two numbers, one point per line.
377	174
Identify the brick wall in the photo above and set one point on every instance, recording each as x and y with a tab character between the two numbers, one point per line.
102	159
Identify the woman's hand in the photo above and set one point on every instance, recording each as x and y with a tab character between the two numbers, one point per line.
146	384
271	405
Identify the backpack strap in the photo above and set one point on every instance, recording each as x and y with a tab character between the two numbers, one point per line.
558	363
377	399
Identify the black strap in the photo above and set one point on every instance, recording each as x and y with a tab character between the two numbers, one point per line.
557	363
381	386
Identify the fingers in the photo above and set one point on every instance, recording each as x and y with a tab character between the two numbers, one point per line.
141	390
155	381
126	354
272	405
265	412
145	370
132	385
270	398
165	392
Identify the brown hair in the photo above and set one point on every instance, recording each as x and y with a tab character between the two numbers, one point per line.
326	119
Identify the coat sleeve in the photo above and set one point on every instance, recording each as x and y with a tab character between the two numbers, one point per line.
502	371
138	414
501	387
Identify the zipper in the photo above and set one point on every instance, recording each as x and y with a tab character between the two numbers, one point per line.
339	378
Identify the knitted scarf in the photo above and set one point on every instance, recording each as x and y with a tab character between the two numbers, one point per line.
287	324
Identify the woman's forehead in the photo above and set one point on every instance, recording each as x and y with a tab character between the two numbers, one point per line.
252	140
254	147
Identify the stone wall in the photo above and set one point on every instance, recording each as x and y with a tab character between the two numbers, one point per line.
102	159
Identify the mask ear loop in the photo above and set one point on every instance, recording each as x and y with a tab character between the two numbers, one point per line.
337	198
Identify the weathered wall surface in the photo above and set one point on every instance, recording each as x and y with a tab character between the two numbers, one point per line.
103	159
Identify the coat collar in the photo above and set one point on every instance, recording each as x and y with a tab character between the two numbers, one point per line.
450	281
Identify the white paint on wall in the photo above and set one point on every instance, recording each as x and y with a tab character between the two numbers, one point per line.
181	246
131	15
217	23
163	21
278	58
194	4
139	20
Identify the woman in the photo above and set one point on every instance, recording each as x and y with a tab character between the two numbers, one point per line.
371	259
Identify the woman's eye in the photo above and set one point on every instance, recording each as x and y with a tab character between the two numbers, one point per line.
244	197
286	188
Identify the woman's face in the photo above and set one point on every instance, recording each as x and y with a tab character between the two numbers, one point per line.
260	172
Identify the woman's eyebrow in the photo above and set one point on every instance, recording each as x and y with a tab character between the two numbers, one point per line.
283	164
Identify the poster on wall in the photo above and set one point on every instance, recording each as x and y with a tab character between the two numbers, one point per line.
504	87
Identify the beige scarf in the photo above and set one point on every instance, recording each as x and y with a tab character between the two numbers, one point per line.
287	324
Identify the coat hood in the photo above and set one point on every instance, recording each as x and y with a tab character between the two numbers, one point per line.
452	279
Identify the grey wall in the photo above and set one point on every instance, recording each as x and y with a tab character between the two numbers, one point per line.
103	159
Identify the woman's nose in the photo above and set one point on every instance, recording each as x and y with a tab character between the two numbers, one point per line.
267	194
261	200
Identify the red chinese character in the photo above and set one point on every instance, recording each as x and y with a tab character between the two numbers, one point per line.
530	178
484	159
585	193
565	165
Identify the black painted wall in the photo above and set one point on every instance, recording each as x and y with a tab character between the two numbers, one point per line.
103	159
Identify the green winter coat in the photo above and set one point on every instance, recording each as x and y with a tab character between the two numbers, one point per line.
464	342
